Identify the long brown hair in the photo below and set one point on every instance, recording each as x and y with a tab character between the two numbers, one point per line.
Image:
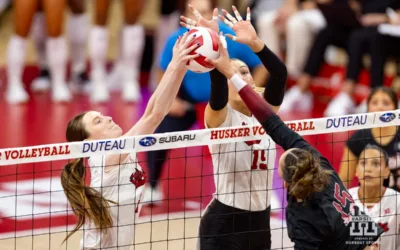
303	174
86	202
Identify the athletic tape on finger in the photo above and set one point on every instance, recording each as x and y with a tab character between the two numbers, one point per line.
248	17
197	14
223	41
228	23
238	16
231	18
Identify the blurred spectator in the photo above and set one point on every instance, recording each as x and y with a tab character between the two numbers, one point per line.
388	138
77	29
195	89
297	21
366	40
4	4
338	32
132	45
56	49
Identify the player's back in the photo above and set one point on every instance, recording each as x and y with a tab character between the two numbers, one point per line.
323	221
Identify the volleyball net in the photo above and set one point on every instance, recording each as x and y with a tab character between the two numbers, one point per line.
35	214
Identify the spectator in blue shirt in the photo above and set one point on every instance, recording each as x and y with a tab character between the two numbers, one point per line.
196	88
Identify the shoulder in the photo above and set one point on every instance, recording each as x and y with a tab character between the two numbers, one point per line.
361	134
358	141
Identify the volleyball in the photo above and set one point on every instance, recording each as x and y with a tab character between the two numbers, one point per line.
208	48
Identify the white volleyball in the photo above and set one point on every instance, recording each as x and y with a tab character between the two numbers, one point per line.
208	41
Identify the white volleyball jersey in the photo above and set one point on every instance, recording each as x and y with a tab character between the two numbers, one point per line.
123	185
243	171
386	214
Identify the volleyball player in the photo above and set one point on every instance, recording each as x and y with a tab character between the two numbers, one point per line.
239	215
107	208
373	198
132	46
56	49
77	29
318	207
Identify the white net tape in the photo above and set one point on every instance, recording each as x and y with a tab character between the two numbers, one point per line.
65	151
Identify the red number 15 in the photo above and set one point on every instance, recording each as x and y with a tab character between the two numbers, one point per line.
259	160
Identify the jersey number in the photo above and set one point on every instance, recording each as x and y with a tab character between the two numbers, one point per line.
259	160
343	199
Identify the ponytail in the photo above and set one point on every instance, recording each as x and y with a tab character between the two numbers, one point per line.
86	202
304	175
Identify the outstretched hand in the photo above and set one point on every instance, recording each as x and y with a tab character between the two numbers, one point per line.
222	63
245	32
182	51
200	20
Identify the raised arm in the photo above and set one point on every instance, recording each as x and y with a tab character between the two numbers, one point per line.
164	95
272	124
246	34
216	110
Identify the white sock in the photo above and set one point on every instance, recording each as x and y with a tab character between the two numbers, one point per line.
98	46
16	52
132	51
56	49
39	35
78	25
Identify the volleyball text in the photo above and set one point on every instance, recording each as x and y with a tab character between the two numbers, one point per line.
241	132
36	152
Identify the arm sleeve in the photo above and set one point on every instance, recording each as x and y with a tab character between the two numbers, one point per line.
276	85
219	90
272	124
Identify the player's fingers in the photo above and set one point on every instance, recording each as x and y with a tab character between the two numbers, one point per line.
178	40
189	21
195	12
237	14
187	26
215	14
231	37
210	61
190	57
191	48
229	16
248	17
222	49
226	21
183	40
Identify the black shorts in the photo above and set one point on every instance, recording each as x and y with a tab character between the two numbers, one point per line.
224	227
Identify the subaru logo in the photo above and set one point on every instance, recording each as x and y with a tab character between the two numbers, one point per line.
387	117
148	141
